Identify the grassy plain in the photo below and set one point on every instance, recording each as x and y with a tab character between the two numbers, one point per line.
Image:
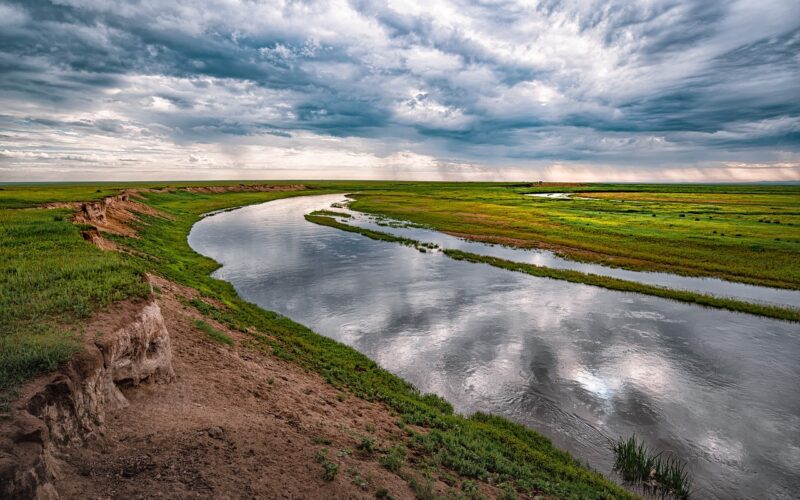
51	280
749	234
68	279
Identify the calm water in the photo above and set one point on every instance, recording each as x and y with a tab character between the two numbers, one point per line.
578	363
712	286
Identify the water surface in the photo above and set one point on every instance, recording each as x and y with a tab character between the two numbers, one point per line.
546	258
580	364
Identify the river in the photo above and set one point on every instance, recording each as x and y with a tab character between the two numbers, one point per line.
580	364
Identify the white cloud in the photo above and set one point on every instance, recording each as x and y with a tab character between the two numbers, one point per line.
663	86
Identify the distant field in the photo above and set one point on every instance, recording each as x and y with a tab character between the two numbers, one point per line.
749	234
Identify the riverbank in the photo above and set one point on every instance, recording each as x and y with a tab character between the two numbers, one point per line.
423	448
768	311
743	233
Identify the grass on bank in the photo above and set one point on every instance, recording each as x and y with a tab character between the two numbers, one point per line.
481	446
745	233
577	276
213	333
322	218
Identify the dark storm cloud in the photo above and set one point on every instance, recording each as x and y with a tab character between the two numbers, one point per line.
652	83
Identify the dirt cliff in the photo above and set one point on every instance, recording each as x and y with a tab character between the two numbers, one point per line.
69	407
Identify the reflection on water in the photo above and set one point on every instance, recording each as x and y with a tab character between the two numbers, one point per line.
580	364
546	258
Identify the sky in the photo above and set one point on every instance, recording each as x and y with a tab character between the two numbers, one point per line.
670	91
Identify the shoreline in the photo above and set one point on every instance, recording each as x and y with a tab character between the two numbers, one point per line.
435	450
774	312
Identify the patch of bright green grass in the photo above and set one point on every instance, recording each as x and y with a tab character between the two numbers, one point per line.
331	213
213	333
724	231
50	278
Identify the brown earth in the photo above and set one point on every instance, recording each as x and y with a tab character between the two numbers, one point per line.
232	422
241	188
236	423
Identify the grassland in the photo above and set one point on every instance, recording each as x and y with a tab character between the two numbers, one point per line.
748	234
85	279
573	276
51	280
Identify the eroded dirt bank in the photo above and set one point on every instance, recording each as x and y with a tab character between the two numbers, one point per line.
124	347
222	422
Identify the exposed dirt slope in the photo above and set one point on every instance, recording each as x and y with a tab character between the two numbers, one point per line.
125	346
236	423
241	188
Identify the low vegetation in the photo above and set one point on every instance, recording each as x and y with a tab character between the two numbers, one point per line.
329	468
656	473
213	333
577	276
745	233
319	217
331	213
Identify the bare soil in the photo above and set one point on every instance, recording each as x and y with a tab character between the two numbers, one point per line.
236	423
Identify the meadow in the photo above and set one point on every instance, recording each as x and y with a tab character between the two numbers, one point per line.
51	280
749	234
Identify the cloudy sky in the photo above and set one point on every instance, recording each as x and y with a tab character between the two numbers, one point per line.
436	89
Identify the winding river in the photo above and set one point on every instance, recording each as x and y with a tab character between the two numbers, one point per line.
578	363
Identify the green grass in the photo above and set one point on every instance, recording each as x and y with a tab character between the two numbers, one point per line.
394	459
577	276
50	280
318	217
331	213
213	333
742	233
656	473
329	468
478	447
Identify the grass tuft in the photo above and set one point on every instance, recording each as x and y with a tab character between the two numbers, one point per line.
213	333
394	458
655	473
330	469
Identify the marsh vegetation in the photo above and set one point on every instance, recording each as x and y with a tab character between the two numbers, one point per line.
51	281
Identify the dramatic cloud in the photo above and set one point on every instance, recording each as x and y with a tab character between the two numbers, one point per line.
442	89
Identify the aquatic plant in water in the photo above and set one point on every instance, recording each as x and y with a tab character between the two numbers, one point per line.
656	473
